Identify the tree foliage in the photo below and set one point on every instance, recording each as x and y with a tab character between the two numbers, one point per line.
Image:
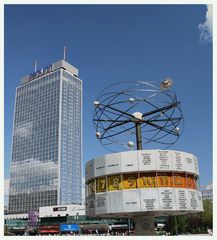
6	232
192	223
197	223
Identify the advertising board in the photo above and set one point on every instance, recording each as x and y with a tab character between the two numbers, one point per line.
146	160
149	200
113	163
129	161
69	227
32	218
163	160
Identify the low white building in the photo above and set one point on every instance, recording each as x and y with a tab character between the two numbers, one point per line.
53	211
207	192
61	211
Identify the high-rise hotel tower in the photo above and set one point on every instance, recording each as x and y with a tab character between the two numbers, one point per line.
47	140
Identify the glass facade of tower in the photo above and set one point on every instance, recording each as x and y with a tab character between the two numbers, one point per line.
70	167
46	147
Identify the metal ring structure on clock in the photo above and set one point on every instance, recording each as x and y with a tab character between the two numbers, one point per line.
123	105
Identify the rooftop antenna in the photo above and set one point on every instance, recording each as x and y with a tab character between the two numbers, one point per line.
35	65
64	53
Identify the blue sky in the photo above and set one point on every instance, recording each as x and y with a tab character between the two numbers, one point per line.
111	43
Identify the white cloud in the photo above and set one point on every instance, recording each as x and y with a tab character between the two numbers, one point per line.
83	190
6	186
6	191
206	27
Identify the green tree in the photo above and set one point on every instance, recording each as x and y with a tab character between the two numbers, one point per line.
6	232
182	224
197	223
207	214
